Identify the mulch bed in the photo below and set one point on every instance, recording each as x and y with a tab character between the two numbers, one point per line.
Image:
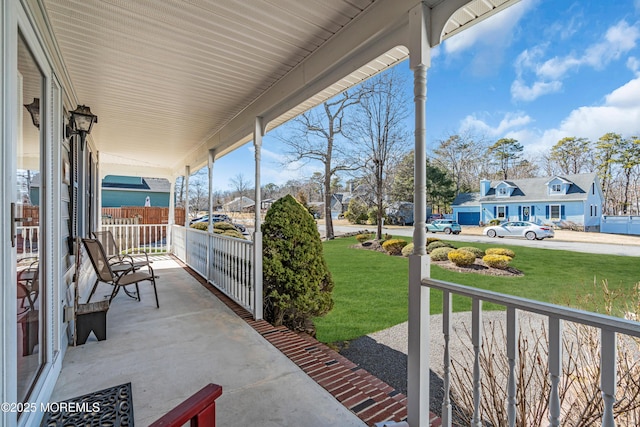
478	268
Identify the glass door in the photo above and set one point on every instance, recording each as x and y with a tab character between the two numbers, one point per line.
27	212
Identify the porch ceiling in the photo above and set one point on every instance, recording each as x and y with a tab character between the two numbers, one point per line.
171	79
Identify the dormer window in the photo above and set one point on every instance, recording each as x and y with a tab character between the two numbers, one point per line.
556	188
502	191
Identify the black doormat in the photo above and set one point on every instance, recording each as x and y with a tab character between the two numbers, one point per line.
111	407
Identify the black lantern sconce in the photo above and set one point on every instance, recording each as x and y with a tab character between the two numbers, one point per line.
34	110
81	121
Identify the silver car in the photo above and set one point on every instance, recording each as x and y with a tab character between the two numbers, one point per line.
525	229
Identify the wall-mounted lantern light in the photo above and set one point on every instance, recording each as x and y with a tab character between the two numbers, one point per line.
82	121
34	110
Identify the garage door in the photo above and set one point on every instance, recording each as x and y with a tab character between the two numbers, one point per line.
468	218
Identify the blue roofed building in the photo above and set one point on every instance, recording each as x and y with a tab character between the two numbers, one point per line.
561	200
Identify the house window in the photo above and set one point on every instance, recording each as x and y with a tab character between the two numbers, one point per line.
502	191
595	210
554	211
556	188
593	188
501	212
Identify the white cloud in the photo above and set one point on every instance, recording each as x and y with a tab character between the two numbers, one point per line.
619	113
506	124
548	75
633	64
528	93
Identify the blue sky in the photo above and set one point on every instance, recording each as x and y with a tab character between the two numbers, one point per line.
539	71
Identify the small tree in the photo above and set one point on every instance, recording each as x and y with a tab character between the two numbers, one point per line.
297	283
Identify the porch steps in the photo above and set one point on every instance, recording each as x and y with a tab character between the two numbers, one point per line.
371	399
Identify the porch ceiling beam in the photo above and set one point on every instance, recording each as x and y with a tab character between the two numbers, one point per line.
377	30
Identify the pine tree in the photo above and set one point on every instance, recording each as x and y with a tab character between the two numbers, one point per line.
297	283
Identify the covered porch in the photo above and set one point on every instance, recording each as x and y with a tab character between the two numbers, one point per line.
168	354
177	85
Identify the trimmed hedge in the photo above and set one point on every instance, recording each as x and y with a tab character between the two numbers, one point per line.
441	254
361	238
479	253
437	244
461	258
497	261
407	250
500	251
394	246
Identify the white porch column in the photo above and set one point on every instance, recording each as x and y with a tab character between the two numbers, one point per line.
258	132
172	210
212	159
98	189
418	357
187	172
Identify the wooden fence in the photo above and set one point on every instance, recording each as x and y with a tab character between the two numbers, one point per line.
145	215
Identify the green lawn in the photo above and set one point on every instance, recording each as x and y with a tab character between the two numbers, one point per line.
371	288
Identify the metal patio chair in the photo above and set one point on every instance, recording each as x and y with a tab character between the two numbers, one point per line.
106	274
114	252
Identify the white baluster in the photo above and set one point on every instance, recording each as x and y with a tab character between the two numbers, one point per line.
608	359
555	369
446	331
512	329
476	338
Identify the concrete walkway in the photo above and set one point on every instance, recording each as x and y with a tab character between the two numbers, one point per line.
193	339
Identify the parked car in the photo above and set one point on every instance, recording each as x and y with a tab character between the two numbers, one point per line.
220	218
432	217
214	218
447	226
525	229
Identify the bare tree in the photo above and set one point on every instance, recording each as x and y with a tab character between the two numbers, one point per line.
241	185
460	156
382	132
315	136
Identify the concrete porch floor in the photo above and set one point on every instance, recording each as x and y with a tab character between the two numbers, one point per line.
193	339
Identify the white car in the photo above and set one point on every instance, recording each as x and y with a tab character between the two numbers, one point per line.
525	229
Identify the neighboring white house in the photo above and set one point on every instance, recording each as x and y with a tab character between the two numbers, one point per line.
559	200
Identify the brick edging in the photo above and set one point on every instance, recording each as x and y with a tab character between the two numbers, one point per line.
370	398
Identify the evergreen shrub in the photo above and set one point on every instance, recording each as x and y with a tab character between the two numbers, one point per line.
394	246
440	254
361	238
407	250
500	251
437	244
461	258
497	261
297	283
479	253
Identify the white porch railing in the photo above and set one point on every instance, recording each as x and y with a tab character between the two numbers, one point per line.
226	262
608	326
27	241
139	238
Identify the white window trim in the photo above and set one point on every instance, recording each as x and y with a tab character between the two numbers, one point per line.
552	189
551	212
503	192
504	212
